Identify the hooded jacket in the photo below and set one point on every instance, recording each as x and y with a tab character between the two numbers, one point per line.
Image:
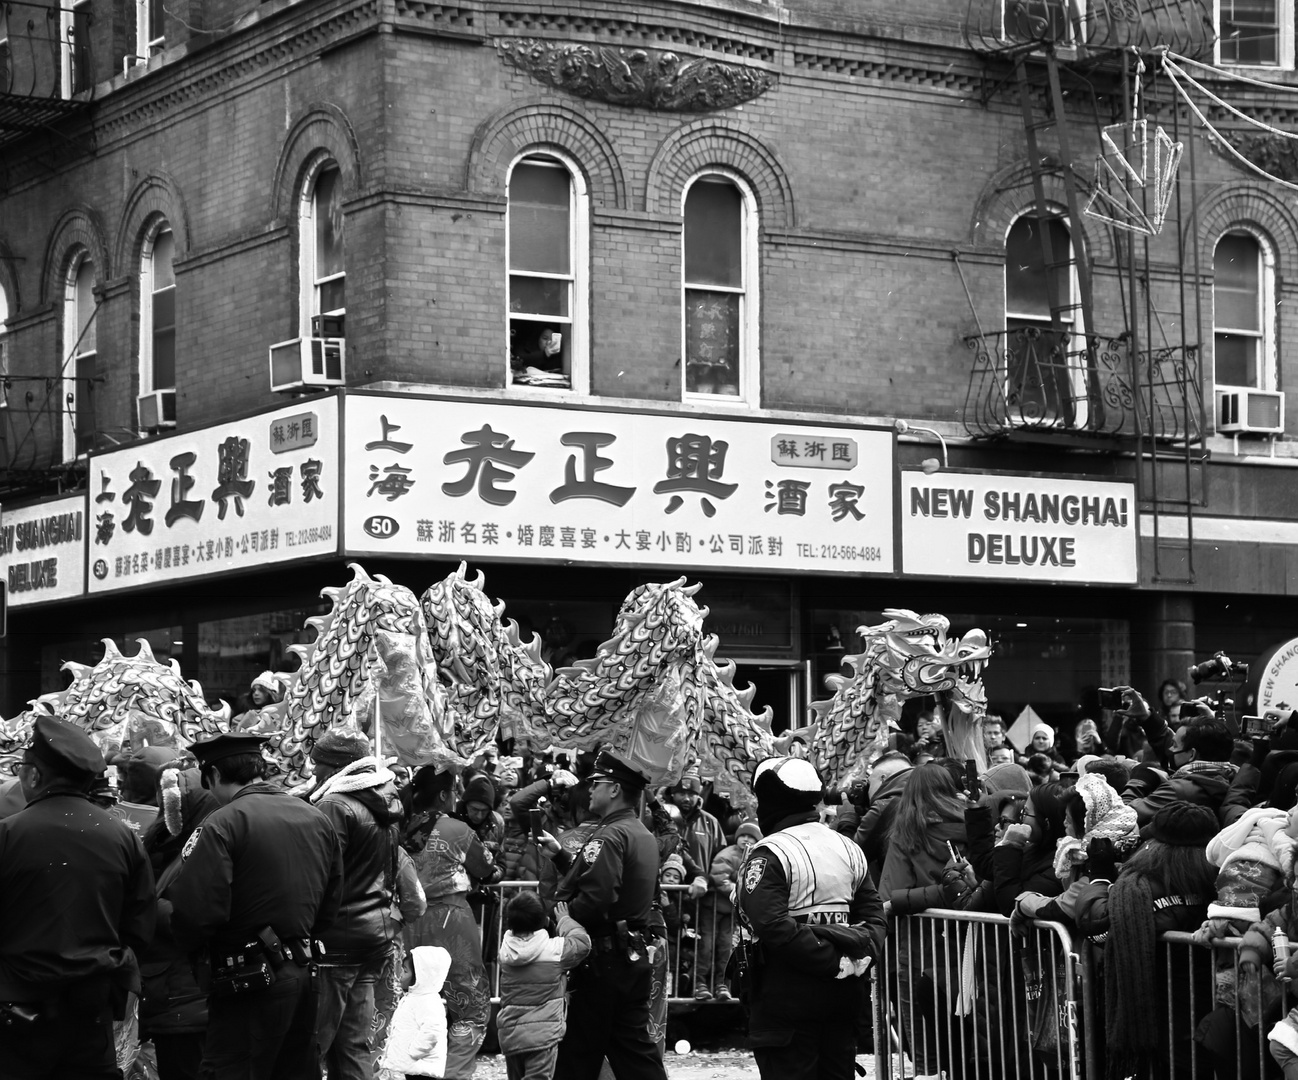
417	1035
533	983
876	823
361	803
1204	783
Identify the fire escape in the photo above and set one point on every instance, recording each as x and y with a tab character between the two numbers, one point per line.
47	76
1124	376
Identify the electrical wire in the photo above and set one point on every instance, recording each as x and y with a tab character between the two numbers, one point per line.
1221	139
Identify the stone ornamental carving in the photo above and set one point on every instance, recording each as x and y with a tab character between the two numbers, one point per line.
1273	154
635	77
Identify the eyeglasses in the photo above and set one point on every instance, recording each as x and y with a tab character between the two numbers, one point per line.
594	782
1006	822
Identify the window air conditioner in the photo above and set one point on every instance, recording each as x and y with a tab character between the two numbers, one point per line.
157	409
1258	411
308	362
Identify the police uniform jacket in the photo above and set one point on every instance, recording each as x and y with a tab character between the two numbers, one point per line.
805	894
76	898
263	859
613	876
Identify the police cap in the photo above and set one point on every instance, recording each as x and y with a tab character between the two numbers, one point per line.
65	749
224	746
608	767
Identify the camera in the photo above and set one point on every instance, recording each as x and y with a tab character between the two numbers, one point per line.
1220	666
1256	727
1110	697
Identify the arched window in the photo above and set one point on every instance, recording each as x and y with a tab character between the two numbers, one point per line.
323	264
546	238
1243	312
1044	370
157	402
719	286
79	357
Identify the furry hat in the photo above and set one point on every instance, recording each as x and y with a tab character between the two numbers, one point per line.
273	683
1038	729
785	786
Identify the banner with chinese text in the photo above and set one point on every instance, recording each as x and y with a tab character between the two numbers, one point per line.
231	497
43	550
1011	528
474	480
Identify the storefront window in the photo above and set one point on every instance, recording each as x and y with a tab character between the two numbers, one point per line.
165	641
233	652
1052	664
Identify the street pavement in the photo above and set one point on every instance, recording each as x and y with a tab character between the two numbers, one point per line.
698	1065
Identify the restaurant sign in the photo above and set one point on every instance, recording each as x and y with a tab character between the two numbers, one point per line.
473	480
236	496
1013	527
43	550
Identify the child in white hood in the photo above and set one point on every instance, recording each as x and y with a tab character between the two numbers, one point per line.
417	1034
533	985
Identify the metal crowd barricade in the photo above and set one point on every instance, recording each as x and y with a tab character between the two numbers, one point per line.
695	928
959	993
1196	982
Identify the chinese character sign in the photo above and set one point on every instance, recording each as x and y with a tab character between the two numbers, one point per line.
459	479
231	497
42	550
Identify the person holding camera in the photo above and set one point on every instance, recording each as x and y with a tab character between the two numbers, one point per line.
261	882
1198	751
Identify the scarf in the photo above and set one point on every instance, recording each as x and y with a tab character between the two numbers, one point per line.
1130	982
359	775
1106	815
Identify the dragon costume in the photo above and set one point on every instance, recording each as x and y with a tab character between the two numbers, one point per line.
909	656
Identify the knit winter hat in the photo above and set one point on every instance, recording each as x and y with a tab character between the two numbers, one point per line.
340	746
1185	824
1038	729
481	790
674	862
749	828
273	683
1007	777
785	786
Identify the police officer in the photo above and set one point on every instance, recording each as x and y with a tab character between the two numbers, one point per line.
813	923
609	887
261	879
76	897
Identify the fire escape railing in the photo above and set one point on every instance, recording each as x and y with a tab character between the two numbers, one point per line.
47	65
1034	379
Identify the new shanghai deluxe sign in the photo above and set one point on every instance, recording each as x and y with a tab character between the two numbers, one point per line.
482	480
1019	528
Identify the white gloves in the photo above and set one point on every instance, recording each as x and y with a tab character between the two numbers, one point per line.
849	968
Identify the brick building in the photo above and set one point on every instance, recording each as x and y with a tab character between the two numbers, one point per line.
682	222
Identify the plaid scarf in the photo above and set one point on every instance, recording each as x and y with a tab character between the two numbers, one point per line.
1221	769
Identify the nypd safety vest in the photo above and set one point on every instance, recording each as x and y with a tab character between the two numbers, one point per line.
823	868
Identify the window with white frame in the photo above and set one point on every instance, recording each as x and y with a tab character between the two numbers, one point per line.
4	349
547	230
719	289
1042	381
1255	33
150	37
79	357
158	328
1243	312
323	267
74	34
